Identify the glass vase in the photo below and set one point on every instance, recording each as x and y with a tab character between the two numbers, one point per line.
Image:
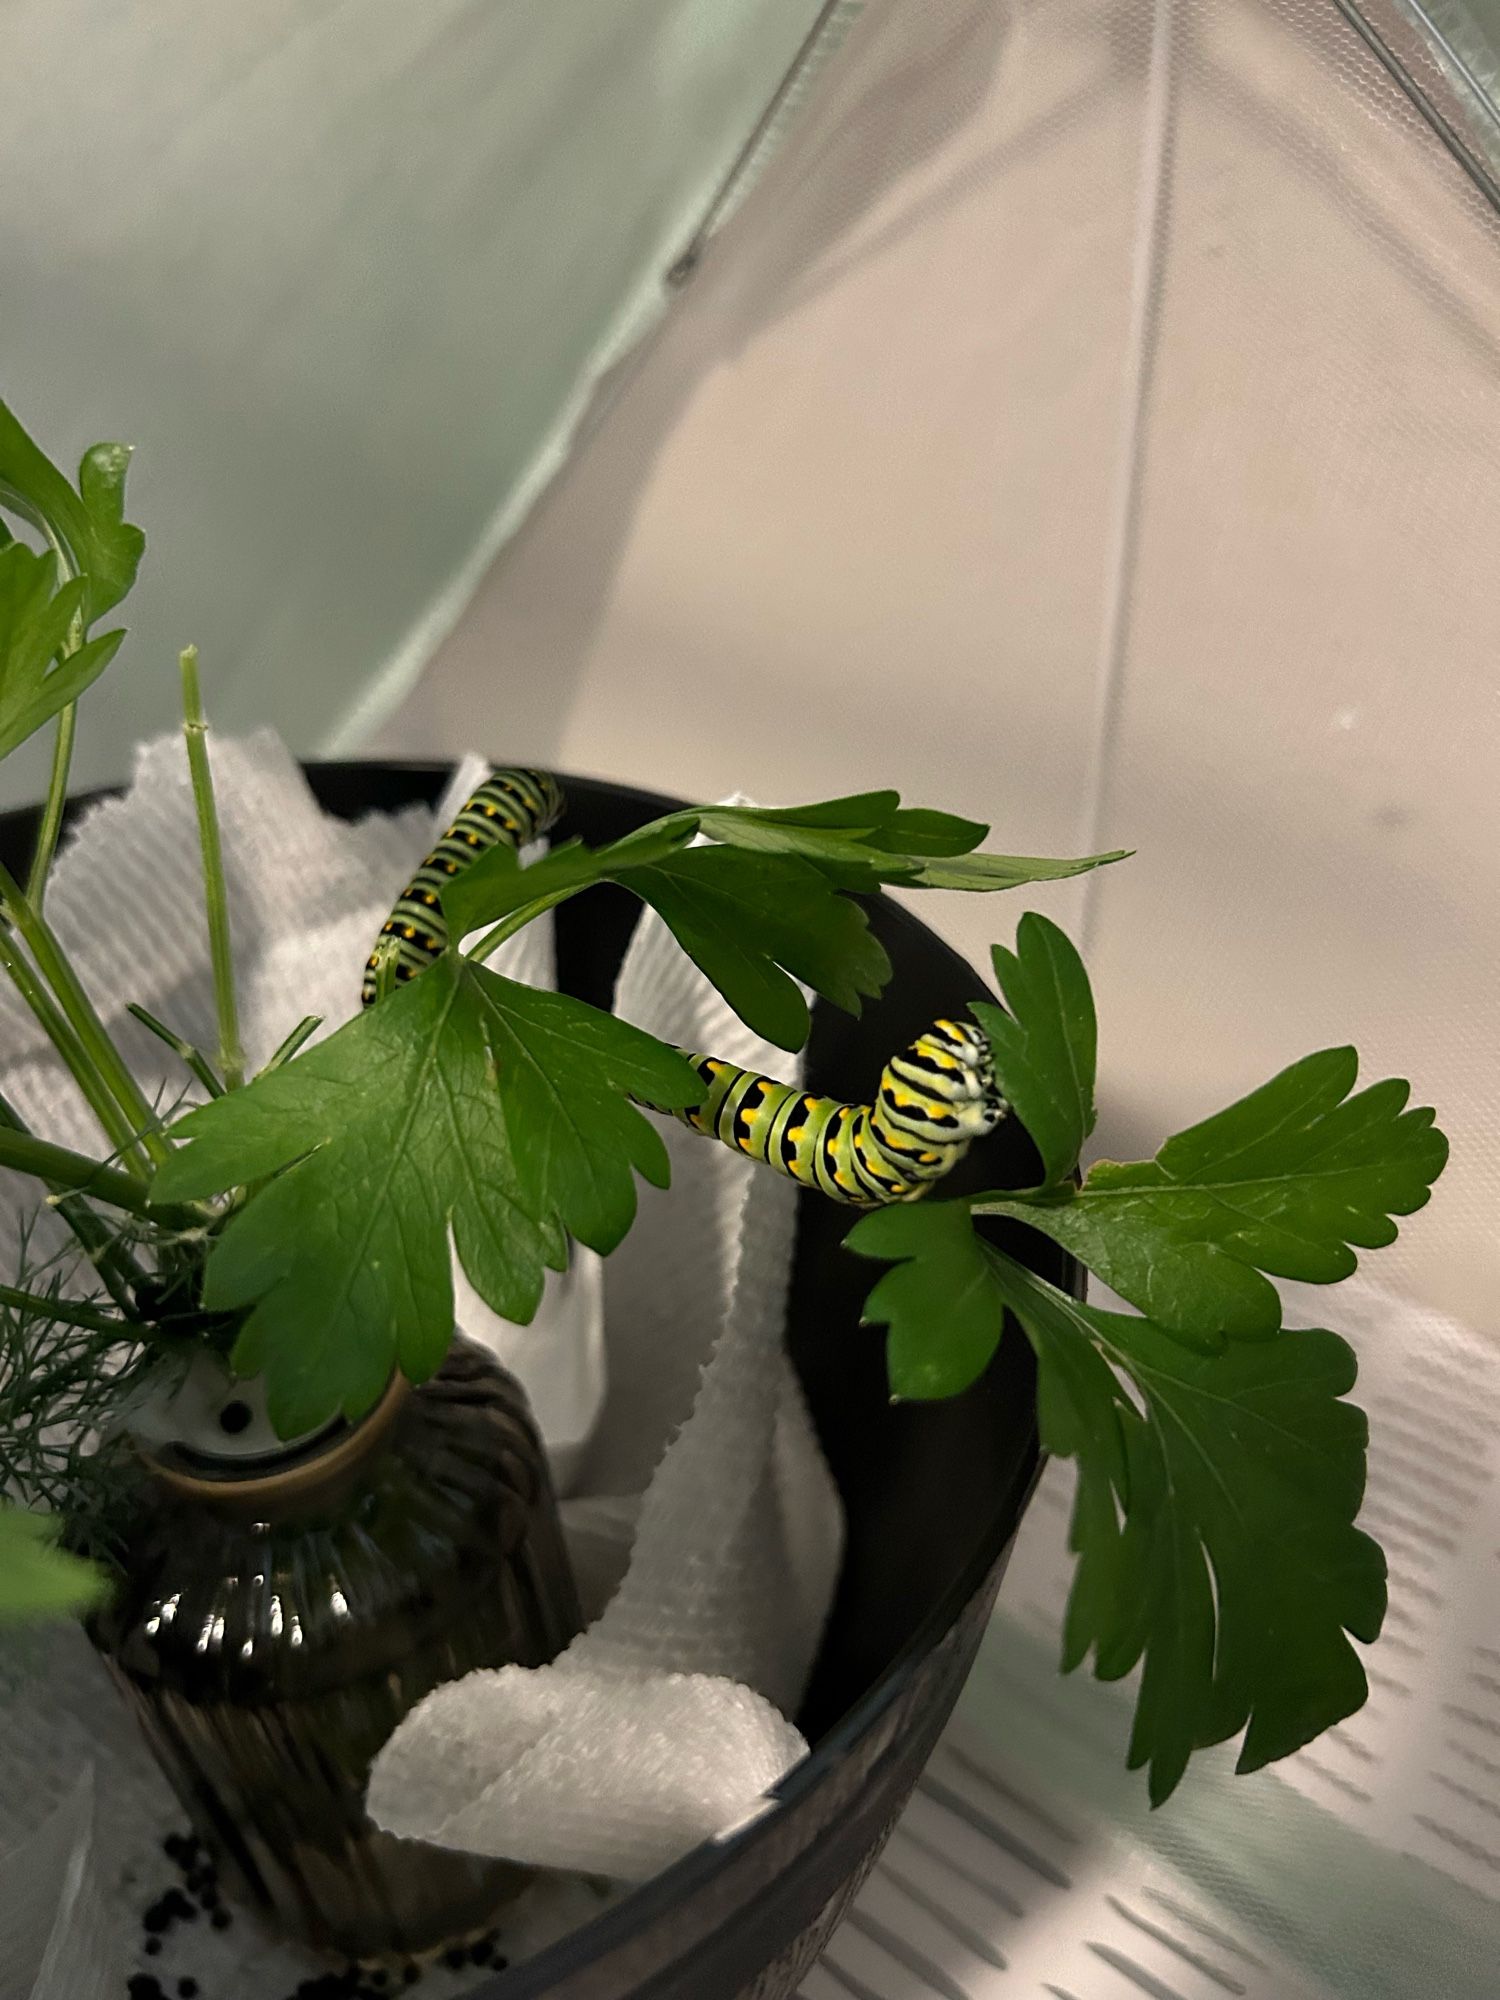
282	1611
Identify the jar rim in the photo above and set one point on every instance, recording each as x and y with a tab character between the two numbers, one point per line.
307	1465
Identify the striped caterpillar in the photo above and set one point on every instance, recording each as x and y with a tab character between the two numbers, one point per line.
933	1100
510	806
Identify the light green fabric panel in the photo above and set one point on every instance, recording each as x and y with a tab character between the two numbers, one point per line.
345	271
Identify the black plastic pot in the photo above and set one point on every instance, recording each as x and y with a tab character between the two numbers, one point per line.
932	1494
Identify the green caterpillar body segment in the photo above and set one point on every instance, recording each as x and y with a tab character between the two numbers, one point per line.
510	806
934	1100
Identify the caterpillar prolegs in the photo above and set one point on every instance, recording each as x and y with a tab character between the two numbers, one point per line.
510	806
933	1100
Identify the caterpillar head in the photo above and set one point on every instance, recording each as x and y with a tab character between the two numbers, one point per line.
956	1056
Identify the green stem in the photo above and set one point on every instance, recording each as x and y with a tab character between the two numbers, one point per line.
50	830
195	729
53	965
117	1269
24	1154
67	1312
116	1126
518	920
308	1025
192	1059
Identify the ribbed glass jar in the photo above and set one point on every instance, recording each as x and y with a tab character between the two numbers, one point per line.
278	1619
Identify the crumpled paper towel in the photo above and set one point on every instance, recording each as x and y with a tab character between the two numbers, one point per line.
307	895
665	1722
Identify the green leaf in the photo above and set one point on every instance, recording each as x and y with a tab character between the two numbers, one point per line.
464	1101
752	921
1287	1181
856	812
917	830
985	873
496	885
870	838
1045	1046
937	1262
1213	1526
36	619
38	1580
1226	1556
89	523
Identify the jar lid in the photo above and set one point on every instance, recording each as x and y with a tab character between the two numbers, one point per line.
209	1434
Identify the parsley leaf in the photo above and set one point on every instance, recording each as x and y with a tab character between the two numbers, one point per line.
463	1101
37	619
1285	1181
756	923
1191	1469
38	1580
496	885
871	838
755	903
1227	1556
934	1253
1045	1046
985	873
89	524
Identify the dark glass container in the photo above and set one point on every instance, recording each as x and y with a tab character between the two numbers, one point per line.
278	1619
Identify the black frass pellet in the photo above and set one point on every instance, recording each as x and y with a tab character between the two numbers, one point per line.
142	1986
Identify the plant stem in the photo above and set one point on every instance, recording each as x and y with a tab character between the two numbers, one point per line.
517	921
54	967
117	1128
57	798
67	1312
62	749
25	1154
195	730
192	1058
117	1269
309	1024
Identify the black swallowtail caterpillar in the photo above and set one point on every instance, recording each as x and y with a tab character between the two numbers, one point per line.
510	806
933	1100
